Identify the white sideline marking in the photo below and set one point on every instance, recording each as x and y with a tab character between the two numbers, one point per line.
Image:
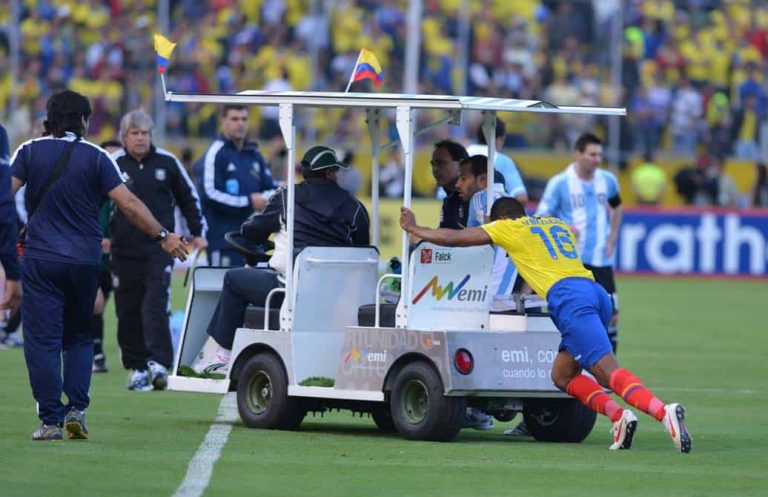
200	468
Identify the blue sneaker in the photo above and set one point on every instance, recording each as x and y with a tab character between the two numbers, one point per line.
13	340
521	430
477	419
74	423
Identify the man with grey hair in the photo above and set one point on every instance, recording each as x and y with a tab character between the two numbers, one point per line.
142	272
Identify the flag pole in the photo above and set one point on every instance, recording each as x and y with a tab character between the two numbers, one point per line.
354	69
162	80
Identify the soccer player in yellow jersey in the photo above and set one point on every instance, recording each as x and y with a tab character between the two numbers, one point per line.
544	250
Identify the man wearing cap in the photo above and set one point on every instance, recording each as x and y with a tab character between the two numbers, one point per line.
324	215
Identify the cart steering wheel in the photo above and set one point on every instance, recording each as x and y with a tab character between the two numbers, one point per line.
254	253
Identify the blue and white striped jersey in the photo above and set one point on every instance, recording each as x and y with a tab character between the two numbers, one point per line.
583	205
504	270
513	181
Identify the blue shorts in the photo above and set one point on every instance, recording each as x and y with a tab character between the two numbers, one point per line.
581	310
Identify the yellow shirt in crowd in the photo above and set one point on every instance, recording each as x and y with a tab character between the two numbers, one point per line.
543	249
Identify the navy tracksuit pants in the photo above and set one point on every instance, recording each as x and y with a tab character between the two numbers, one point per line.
57	307
242	286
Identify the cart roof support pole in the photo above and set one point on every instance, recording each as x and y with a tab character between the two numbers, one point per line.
405	130
489	132
372	120
288	129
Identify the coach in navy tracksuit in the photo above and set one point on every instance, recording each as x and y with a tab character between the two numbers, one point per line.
8	230
60	265
236	182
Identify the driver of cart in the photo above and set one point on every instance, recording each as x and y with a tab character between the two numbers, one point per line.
324	215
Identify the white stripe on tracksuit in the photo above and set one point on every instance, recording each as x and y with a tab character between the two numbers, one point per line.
209	174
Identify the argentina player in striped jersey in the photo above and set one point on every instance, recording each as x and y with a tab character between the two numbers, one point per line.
588	199
471	185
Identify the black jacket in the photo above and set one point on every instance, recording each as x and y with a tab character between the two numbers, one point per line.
325	215
161	182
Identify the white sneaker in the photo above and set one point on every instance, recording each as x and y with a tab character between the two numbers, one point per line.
158	375
212	359
674	423
623	431
477	419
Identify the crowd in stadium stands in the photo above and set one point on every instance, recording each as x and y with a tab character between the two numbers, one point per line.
692	70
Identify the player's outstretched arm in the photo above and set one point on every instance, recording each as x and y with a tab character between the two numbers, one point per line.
442	236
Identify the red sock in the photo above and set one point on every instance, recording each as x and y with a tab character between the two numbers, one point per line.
592	395
631	389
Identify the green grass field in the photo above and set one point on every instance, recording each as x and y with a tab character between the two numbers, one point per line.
701	343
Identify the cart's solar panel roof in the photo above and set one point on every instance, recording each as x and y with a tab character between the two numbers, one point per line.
389	100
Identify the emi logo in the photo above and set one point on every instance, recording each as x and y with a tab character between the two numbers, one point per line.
426	256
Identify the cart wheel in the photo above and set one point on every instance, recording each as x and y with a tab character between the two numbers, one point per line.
383	417
558	420
262	395
419	409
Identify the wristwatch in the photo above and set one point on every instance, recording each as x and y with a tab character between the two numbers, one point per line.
162	236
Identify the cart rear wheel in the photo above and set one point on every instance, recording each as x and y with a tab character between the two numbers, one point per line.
558	420
420	410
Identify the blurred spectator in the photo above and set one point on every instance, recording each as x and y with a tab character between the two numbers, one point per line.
688	182
270	125
650	109
686	111
760	188
649	182
745	130
717	187
349	178
392	175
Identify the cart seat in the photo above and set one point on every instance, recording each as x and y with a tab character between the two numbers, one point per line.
366	315
254	317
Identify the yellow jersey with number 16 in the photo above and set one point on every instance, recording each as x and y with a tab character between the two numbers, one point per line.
543	249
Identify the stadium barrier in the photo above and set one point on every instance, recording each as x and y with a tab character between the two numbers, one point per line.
681	241
719	242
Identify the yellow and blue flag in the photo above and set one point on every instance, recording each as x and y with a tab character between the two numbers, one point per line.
164	47
367	67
